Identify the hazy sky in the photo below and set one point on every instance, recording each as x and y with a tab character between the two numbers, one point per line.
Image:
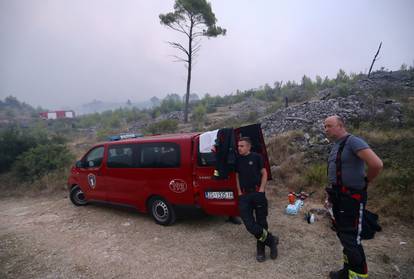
59	53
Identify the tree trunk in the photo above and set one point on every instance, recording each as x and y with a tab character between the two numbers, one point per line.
187	93
373	60
190	56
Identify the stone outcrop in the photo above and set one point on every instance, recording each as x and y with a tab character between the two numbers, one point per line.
309	116
174	115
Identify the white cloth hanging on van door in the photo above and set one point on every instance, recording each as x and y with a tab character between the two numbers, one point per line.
207	141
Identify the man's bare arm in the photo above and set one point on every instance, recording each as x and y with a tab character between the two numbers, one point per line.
239	192
263	180
373	162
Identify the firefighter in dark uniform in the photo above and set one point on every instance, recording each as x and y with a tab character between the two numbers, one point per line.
348	193
251	179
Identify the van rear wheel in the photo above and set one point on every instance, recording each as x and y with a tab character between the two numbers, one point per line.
161	211
77	197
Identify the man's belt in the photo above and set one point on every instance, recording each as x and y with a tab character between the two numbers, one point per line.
250	190
357	194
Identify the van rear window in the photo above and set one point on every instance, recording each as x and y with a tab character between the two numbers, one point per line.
159	155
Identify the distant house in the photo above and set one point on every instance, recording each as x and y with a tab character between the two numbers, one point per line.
58	114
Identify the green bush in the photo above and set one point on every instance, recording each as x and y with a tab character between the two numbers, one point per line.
103	134
199	117
32	153
14	142
199	113
315	175
171	103
393	193
162	127
41	160
211	108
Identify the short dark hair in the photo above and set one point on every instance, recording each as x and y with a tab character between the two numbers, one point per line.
246	139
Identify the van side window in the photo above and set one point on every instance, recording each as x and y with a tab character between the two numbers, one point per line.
159	155
206	159
95	157
120	156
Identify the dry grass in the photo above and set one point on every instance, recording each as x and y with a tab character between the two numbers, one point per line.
392	194
288	162
280	147
383	136
11	186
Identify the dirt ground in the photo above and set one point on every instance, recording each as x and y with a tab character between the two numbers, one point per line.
48	237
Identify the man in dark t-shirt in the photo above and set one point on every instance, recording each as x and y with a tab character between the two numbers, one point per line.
251	177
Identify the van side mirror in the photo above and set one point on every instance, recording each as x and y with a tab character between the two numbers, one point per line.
80	164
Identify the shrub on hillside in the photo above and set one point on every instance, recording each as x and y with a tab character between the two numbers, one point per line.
14	142
393	193
162	127
226	122
103	134
315	175
199	113
41	160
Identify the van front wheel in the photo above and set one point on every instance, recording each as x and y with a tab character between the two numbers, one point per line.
161	211
77	196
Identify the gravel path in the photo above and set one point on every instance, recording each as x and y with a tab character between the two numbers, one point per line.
50	238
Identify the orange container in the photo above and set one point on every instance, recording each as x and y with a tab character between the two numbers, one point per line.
291	198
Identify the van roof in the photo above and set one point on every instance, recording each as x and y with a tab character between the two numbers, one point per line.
181	136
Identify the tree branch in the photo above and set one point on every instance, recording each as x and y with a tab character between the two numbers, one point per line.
196	46
176	29
183	29
178	46
198	34
179	59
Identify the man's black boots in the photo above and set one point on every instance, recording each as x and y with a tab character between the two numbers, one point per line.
260	257
340	274
272	242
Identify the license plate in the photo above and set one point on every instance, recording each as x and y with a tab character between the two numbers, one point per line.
219	195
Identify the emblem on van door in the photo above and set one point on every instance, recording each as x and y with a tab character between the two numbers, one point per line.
178	186
92	180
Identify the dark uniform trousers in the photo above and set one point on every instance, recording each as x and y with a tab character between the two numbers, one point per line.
253	211
348	211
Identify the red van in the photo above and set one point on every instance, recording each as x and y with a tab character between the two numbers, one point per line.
158	173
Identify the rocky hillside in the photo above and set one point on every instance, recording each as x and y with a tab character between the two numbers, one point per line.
367	99
309	116
380	99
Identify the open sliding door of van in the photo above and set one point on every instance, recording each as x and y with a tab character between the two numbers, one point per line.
215	196
219	196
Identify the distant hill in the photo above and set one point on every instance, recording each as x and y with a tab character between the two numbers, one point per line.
12	110
100	106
